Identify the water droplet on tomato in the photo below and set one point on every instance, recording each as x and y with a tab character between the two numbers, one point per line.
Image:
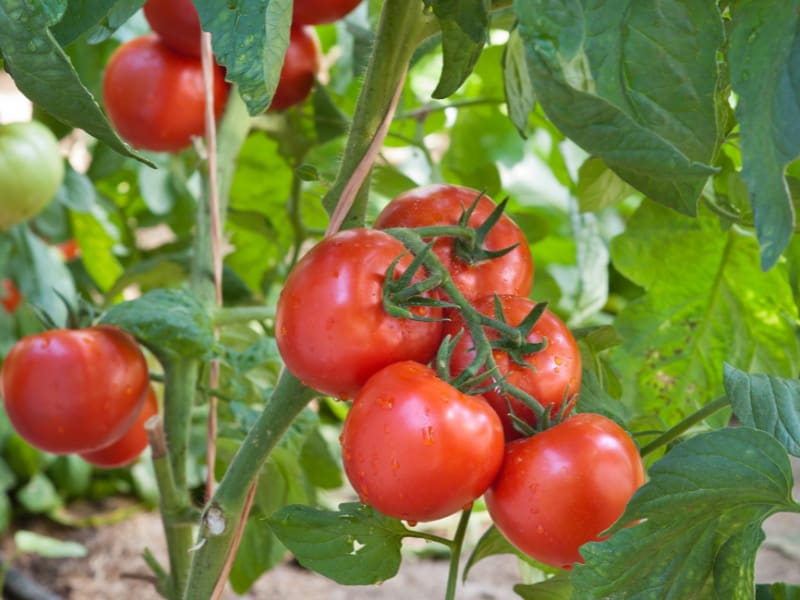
411	523
395	466
427	436
386	402
540	530
467	506
557	360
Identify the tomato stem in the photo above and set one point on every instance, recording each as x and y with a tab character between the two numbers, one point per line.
675	432
455	554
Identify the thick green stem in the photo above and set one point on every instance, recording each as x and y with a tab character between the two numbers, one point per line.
180	380
395	42
455	554
224	511
689	422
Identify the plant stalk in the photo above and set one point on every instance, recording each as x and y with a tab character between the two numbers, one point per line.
455	554
689	422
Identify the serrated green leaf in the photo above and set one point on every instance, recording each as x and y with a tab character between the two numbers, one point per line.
83	15
39	495
777	591
682	330
593	69
520	95
465	29
166	321
764	53
700	516
355	545
593	399
599	187
249	38
555	588
28	542
43	72
771	404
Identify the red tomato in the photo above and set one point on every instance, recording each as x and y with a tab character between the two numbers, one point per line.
561	488
443	205
74	390
69	250
177	24
416	448
133	442
154	96
552	372
10	296
330	325
316	12
299	69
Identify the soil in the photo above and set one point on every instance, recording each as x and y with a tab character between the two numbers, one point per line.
114	567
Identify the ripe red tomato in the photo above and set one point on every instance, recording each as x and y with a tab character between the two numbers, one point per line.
299	69
317	12
177	24
561	488
416	448
330	325
74	390
551	373
132	443
443	205
154	96
10	296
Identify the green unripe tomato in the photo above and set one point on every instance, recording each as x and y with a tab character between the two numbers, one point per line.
31	171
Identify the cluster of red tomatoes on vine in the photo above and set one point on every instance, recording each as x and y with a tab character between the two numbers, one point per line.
461	385
153	87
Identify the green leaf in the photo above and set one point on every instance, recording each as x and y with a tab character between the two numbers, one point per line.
28	542
703	507
251	53
24	460
520	95
771	404
71	475
764	53
5	512
329	121
777	591
594	399
599	187
39	495
83	15
555	588
707	302
633	83
321	468
166	321
465	29
492	543
43	72
355	545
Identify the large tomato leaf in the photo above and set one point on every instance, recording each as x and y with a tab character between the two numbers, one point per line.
703	507
631	82
355	545
520	97
771	404
764	55
465	29
707	302
102	17
251	53
555	588
43	72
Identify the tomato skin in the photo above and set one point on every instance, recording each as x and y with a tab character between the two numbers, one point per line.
132	443
442	204
154	96
300	68
561	488
74	390
416	448
31	171
177	24
10	296
330	325
556	369
317	12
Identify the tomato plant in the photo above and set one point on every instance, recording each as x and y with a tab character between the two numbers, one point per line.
317	12
154	95
127	448
551	375
444	205
415	448
563	487
331	326
74	390
177	24
31	170
299	69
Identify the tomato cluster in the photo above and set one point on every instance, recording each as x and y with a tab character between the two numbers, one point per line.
361	317
79	391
